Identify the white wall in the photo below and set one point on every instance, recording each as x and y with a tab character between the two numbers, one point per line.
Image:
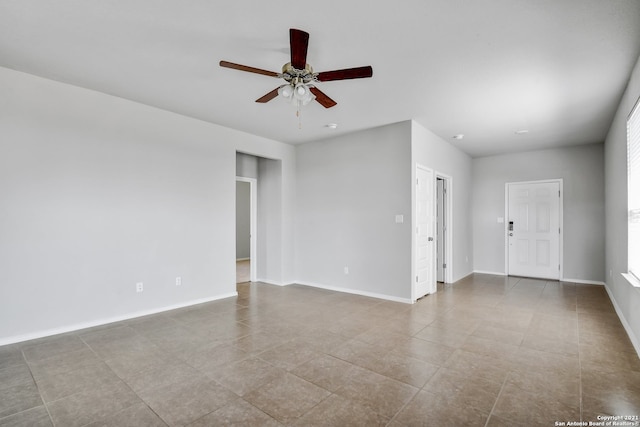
431	151
582	171
625	297
270	228
246	165
98	193
349	189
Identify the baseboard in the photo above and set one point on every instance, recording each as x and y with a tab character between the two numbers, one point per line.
493	273
242	259
625	324
271	282
583	282
91	324
356	292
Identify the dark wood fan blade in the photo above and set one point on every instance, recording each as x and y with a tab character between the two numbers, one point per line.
322	98
299	41
349	73
246	68
268	97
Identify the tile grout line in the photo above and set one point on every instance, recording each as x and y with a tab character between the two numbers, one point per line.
46	406
504	383
579	360
122	380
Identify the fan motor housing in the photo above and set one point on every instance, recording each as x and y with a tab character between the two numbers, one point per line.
293	75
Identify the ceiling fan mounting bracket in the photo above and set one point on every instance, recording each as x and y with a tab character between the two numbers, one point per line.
295	76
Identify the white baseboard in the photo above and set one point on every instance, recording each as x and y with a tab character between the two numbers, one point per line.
583	282
462	277
84	325
356	292
634	340
494	273
272	282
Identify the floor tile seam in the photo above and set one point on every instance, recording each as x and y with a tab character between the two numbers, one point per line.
402	408
504	383
26	381
313	407
580	368
83	392
44	403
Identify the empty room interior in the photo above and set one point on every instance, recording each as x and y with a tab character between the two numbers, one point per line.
347	213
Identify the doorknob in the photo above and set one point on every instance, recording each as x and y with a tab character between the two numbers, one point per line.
430	239
510	234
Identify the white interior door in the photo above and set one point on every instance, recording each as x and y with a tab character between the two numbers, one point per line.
533	229
424	253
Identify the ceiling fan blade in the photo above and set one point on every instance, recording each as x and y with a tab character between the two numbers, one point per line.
348	73
268	97
227	64
322	98
299	41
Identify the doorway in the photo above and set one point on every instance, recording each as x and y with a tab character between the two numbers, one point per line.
425	282
534	229
444	221
246	220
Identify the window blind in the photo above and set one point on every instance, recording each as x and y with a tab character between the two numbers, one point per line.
633	190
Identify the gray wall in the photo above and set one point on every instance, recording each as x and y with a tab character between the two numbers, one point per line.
243	220
582	171
98	193
349	190
625	297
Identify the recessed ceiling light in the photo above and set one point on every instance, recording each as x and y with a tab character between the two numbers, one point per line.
521	131
458	136
331	125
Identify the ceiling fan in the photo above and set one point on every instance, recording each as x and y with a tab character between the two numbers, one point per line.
299	76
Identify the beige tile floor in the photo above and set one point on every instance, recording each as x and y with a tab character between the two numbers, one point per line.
243	271
486	351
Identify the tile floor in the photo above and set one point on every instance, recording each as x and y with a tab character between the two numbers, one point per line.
486	351
243	271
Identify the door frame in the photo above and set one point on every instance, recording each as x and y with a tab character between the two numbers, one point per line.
448	223
253	225
560	213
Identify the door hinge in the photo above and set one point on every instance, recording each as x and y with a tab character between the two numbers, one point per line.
558	267
444	265
558	193
416	279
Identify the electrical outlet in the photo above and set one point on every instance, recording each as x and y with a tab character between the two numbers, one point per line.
346	270
178	281
139	287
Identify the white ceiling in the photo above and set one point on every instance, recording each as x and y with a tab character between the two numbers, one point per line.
483	68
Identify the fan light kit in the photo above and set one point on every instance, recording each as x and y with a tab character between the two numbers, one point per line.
300	87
